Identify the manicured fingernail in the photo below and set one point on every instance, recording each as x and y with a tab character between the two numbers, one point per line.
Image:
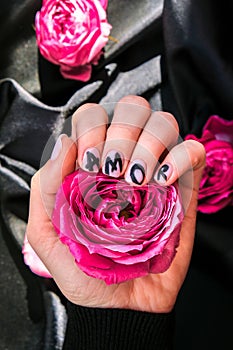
136	172
113	164
57	148
91	160
163	173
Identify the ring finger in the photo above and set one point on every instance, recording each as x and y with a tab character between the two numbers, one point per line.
159	134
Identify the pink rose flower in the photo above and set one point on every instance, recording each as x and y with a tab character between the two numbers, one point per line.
72	34
115	231
216	187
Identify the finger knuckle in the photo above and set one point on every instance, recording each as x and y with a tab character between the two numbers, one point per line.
136	100
170	119
82	110
89	116
197	151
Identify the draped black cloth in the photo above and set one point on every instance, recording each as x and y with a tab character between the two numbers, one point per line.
176	54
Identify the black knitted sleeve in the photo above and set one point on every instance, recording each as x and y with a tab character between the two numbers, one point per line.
117	329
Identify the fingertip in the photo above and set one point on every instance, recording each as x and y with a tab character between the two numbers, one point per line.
61	163
197	151
63	144
182	158
90	160
136	173
165	174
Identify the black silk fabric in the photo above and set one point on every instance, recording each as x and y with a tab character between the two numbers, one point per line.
178	54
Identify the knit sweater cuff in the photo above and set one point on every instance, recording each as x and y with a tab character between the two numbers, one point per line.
114	329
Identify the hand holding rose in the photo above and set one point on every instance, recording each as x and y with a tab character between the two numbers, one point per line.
135	147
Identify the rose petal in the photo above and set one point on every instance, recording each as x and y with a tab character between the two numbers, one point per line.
216	186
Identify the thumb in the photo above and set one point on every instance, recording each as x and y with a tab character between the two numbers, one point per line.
49	178
45	184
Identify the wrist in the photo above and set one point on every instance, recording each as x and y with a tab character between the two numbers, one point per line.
97	328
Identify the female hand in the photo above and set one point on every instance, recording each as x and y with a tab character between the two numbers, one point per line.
132	146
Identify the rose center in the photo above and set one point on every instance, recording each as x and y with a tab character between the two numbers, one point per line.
127	212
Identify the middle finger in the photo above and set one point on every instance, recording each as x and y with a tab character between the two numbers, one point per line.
130	116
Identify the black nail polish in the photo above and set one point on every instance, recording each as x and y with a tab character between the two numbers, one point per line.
137	174
91	160
113	164
163	173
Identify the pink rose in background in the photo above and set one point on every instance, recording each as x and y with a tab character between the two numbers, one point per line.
115	231
216	187
72	34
